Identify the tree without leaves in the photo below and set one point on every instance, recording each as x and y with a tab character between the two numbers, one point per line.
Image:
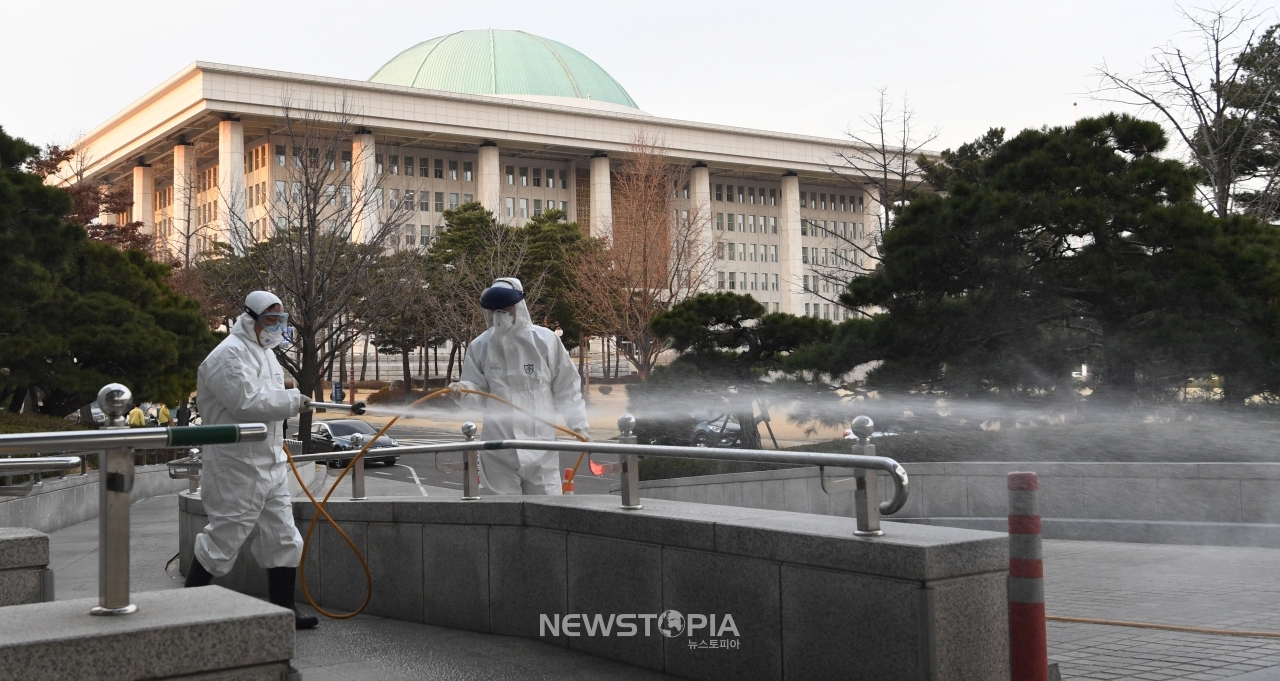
306	247
1207	98
67	167
657	255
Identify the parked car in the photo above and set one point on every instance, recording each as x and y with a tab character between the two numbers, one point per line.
98	417
337	436
717	431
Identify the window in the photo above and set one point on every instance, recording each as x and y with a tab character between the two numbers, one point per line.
408	166
742	280
773	254
741	197
826	310
564	207
804	254
719	250
537	177
773	225
280	190
775	287
753	252
524	208
751	194
753	281
468	174
424	167
439	167
842	202
280	155
720	280
424	237
511	175
730	222
537	203
409	202
732	252
393	162
728	195
822	201
510	203
524	176
720	221
742	255
719	192
424	201
467	198
804	227
395	199
377	163
453	201
453	170
742	226
410	235
733	285
803	198
861	207
439	201
346	196
773	197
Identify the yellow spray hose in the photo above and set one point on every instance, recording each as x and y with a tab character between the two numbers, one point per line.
320	510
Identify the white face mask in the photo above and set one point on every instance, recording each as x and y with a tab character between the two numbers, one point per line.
503	320
270	339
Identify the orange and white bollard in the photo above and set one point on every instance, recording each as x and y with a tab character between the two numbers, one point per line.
1028	647
566	487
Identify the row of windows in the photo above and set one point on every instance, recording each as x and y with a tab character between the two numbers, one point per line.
812	284
824	201
746	195
413	238
823	311
758	282
746	223
844	230
509	206
162	198
746	252
537	177
833	256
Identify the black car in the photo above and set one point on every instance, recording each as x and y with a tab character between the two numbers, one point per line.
336	436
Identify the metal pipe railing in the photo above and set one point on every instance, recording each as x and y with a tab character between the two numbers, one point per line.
117	443
864	482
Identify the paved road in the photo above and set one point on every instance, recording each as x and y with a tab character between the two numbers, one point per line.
1197	586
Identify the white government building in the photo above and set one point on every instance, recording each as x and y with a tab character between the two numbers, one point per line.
515	121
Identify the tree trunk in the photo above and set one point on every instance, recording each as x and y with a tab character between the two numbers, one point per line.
750	428
364	358
582	371
435	358
448	373
408	375
19	396
342	367
604	358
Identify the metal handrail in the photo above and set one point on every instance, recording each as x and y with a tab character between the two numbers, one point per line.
39	464
133	438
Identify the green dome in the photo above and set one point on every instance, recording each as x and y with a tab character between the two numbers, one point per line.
493	62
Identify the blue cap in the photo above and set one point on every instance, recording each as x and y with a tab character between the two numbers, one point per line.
500	297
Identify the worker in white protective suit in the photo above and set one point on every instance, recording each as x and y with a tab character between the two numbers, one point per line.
244	486
526	364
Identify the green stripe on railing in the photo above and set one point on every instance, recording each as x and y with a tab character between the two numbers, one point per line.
188	436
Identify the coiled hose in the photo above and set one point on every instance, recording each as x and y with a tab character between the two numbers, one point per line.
320	510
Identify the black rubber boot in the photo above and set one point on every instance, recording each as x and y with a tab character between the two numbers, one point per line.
197	575
280	581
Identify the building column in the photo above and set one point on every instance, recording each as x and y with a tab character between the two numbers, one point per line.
601	198
183	243
144	198
231	193
364	179
489	179
700	216
571	215
791	269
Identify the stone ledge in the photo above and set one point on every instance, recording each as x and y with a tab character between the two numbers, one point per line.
175	633
21	547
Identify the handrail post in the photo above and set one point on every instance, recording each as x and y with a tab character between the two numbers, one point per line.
866	495
115	481
357	470
630	465
470	466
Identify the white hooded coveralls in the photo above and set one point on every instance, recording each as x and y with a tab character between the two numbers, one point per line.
245	485
529	366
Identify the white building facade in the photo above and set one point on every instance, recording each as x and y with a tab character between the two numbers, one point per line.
518	123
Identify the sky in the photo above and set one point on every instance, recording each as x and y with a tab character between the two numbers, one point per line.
800	67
